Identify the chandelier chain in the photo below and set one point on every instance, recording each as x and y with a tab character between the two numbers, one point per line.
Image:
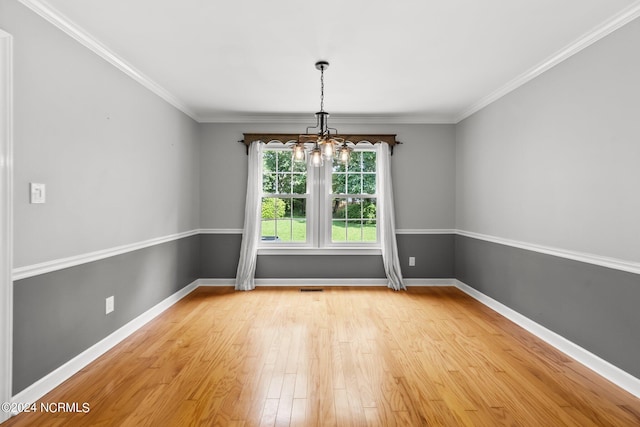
322	89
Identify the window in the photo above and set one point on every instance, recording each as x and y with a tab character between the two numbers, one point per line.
328	207
353	199
284	198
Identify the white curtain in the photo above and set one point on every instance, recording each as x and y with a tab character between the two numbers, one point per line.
245	280
387	221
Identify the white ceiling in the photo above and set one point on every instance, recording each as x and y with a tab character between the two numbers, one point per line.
411	60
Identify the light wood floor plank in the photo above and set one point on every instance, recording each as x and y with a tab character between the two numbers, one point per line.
343	357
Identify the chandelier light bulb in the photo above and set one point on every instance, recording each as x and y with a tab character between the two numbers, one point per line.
299	154
316	157
344	154
328	149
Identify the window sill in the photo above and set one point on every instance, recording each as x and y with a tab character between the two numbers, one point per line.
320	251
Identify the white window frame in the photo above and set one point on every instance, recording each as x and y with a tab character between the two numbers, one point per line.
311	207
319	216
326	217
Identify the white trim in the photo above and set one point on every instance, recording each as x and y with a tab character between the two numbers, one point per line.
72	29
6	217
336	119
288	282
49	382
624	17
425	231
59	264
322	282
319	251
617	264
217	282
614	374
221	231
292	282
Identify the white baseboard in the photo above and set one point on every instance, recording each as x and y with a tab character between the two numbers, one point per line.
329	282
600	366
43	386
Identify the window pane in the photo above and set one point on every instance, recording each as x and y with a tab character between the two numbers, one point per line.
369	209
339	184
268	230
369	183
268	208
300	167
269	161
268	225
284	161
299	208
284	183
299	220
369	231
354	231
355	161
299	183
339	208
269	182
369	161
284	219
338	166
354	183
283	229
338	231
354	209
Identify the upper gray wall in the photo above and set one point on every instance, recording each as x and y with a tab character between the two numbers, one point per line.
557	161
120	164
422	170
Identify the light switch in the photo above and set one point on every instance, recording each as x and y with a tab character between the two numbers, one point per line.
37	192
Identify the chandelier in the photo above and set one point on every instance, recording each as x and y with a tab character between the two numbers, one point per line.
326	146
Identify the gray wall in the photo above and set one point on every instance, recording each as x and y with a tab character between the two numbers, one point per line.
594	307
555	163
423	172
219	254
423	176
58	315
120	164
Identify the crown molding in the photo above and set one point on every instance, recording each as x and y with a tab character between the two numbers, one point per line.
336	119
599	32
55	17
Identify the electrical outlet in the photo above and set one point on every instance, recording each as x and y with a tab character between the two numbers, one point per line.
109	305
412	261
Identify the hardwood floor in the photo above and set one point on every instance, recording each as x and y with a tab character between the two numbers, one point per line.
345	356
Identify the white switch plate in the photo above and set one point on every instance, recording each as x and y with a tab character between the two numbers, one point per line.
412	261
37	192
109	305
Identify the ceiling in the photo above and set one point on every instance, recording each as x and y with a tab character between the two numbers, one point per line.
402	60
